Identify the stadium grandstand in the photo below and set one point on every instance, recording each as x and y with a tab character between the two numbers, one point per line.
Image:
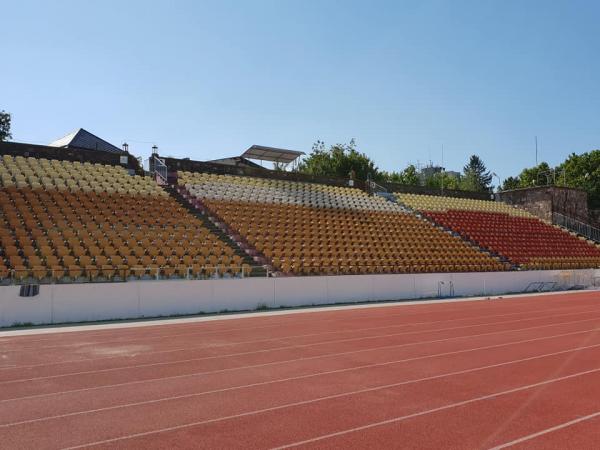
74	215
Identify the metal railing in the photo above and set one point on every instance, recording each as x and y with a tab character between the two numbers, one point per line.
374	187
380	269
158	168
442	289
576	226
109	273
541	286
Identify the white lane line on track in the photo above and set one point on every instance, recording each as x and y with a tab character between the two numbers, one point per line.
547	431
196	374
192	334
287	337
317	374
361	391
284	341
441	408
292	347
128	340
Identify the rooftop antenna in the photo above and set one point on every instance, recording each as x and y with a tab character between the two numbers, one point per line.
536	152
443	157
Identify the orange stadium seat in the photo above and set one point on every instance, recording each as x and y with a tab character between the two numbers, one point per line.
94	227
310	229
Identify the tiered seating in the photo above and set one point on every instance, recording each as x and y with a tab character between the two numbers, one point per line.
440	203
508	231
314	229
73	176
93	222
228	187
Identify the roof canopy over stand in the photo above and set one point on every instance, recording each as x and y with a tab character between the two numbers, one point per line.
276	155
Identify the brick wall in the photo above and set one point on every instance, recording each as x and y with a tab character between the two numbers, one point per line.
543	201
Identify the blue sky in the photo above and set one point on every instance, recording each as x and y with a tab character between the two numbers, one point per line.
208	79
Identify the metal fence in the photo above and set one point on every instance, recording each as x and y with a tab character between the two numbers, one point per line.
108	273
374	187
383	269
576	226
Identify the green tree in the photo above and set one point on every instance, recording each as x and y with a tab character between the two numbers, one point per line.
451	182
338	161
582	172
476	176
539	175
442	179
408	176
511	183
392	177
5	126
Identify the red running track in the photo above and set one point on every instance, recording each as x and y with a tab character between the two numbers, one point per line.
522	373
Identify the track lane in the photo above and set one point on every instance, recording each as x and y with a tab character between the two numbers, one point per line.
523	417
292	395
581	432
16	389
130	353
73	403
304	420
224	390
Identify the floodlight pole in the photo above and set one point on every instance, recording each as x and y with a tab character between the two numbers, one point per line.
494	174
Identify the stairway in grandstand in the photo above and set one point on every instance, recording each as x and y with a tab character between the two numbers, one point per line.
210	222
67	221
501	258
388	196
522	238
309	228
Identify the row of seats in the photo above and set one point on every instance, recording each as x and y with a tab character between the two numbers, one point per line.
38	173
52	234
526	241
441	203
307	240
262	190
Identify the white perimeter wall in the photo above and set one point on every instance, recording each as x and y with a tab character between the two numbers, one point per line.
101	301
